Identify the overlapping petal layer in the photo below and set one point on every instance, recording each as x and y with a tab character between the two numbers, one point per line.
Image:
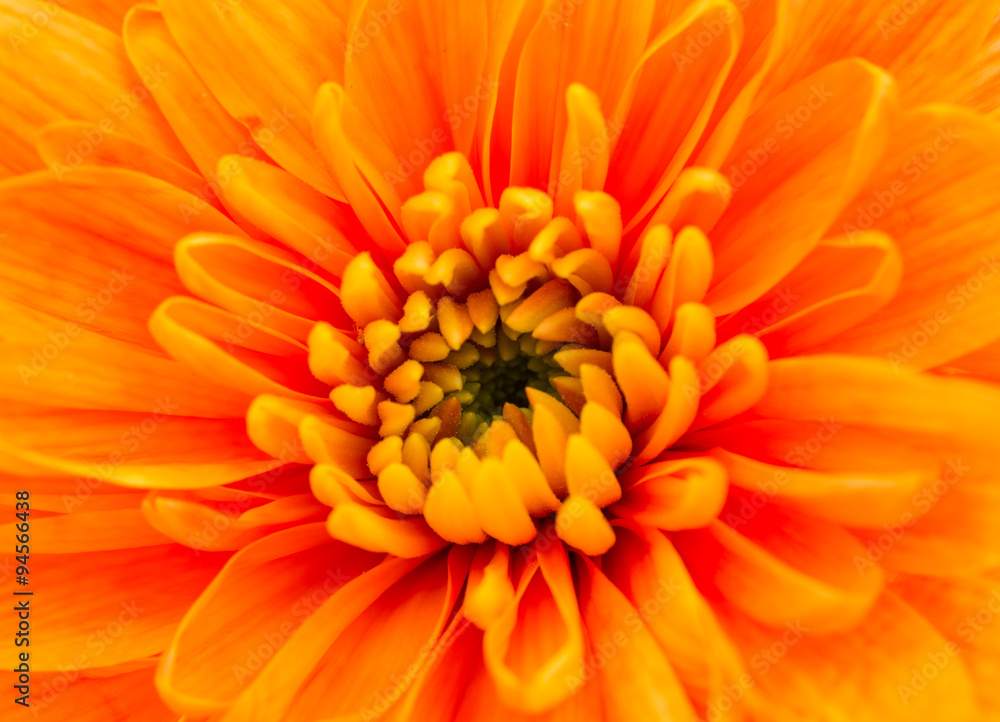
504	359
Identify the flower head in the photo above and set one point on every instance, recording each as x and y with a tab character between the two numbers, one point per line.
440	360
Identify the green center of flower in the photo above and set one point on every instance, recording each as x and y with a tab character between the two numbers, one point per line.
502	375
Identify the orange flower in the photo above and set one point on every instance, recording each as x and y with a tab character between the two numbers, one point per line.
469	360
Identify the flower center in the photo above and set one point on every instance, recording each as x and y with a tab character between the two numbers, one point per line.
505	370
503	364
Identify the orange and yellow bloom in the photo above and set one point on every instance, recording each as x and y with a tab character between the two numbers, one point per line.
503	359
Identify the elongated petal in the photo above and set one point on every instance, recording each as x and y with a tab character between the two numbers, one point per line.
95	247
810	148
928	45
92	81
868	673
129	612
534	650
161	448
91	699
90	531
220	40
935	195
254	605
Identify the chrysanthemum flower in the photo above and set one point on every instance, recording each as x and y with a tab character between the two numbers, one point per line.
469	360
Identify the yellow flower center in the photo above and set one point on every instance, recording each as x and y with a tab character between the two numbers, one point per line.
487	356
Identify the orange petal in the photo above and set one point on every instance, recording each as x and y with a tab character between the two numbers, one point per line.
604	429
783	165
676	415
586	149
581	524
734	378
919	421
450	513
442	100
674	495
498	504
61	142
697	198
90	531
372	197
774	574
292	212
935	193
232	350
326	440
248	613
648	570
366	294
669	101
204	128
91	699
276	687
50	361
842	282
963	610
259	283
230	523
979	89
557	53
765	34
643	382
687	277
139	596
870	393
639	681
152	450
927	47
277	106
860	681
407	624
490	589
96	248
854	499
535	648
95	83
109	13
